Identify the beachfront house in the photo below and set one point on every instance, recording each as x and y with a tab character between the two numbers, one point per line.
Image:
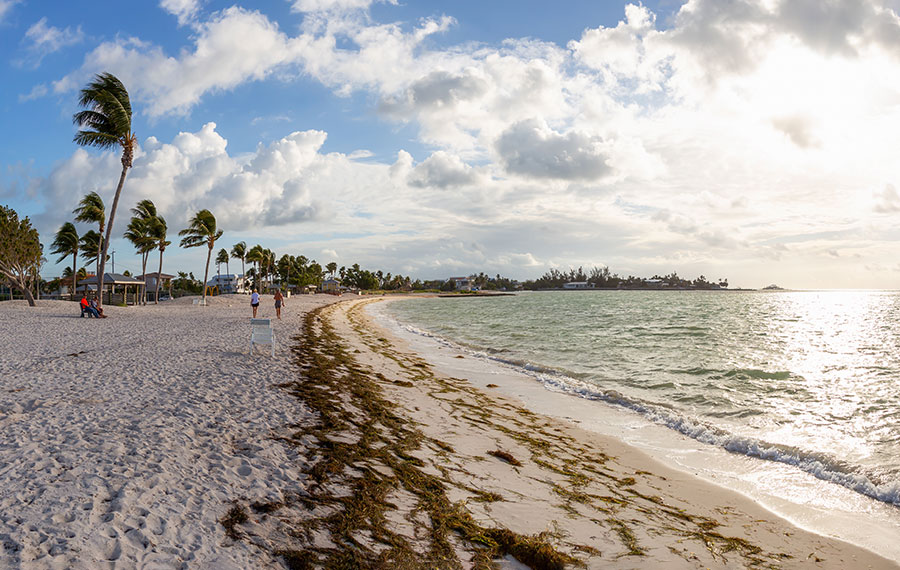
332	285
165	286
227	283
578	285
461	283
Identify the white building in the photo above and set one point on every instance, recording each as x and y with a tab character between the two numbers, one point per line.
227	283
461	283
578	285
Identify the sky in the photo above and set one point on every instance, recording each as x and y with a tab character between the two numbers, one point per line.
752	140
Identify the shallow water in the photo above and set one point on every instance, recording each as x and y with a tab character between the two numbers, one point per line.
807	379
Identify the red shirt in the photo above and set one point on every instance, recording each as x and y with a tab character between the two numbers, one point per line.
84	303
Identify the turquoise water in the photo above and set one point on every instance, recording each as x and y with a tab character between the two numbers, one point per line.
810	379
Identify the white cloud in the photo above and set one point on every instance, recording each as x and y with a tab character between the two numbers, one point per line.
185	10
887	201
331	5
442	170
43	40
532	149
6	6
36	92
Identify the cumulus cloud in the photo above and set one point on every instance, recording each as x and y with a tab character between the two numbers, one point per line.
531	148
442	170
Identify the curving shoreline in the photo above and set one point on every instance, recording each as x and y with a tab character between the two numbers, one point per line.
152	437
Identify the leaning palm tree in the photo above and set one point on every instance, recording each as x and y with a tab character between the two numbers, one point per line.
222	257
239	251
158	230
105	123
65	244
202	230
92	211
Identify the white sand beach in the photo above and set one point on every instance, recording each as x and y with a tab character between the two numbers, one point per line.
124	442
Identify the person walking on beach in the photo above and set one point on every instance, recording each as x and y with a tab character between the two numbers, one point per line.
279	301
254	302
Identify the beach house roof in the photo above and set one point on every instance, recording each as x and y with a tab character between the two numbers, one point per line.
112	279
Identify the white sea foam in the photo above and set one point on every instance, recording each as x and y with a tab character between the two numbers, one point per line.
819	464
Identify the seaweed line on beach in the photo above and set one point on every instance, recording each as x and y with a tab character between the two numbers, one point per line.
379	489
365	473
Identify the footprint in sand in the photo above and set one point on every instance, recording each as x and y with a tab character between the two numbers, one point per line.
113	550
156	524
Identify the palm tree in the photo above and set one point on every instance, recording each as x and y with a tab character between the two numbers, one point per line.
255	256
202	230
158	230
90	247
106	123
138	233
65	244
92	211
239	251
222	257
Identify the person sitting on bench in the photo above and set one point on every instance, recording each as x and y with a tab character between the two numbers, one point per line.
86	308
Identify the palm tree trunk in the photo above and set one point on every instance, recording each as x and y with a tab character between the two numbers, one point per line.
74	274
144	257
109	226
206	272
159	274
243	276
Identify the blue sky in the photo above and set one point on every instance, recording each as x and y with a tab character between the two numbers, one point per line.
747	140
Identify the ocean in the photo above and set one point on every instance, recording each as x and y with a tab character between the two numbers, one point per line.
808	381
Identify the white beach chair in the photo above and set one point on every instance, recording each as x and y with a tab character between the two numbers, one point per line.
262	333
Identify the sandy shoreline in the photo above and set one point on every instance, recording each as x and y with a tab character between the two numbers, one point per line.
152	440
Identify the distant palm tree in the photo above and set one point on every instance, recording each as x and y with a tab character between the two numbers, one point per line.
65	244
269	263
331	267
202	231
139	233
158	230
256	256
106	123
90	247
92	211
239	251
222	257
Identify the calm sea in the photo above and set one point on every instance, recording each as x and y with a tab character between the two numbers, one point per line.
809	379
